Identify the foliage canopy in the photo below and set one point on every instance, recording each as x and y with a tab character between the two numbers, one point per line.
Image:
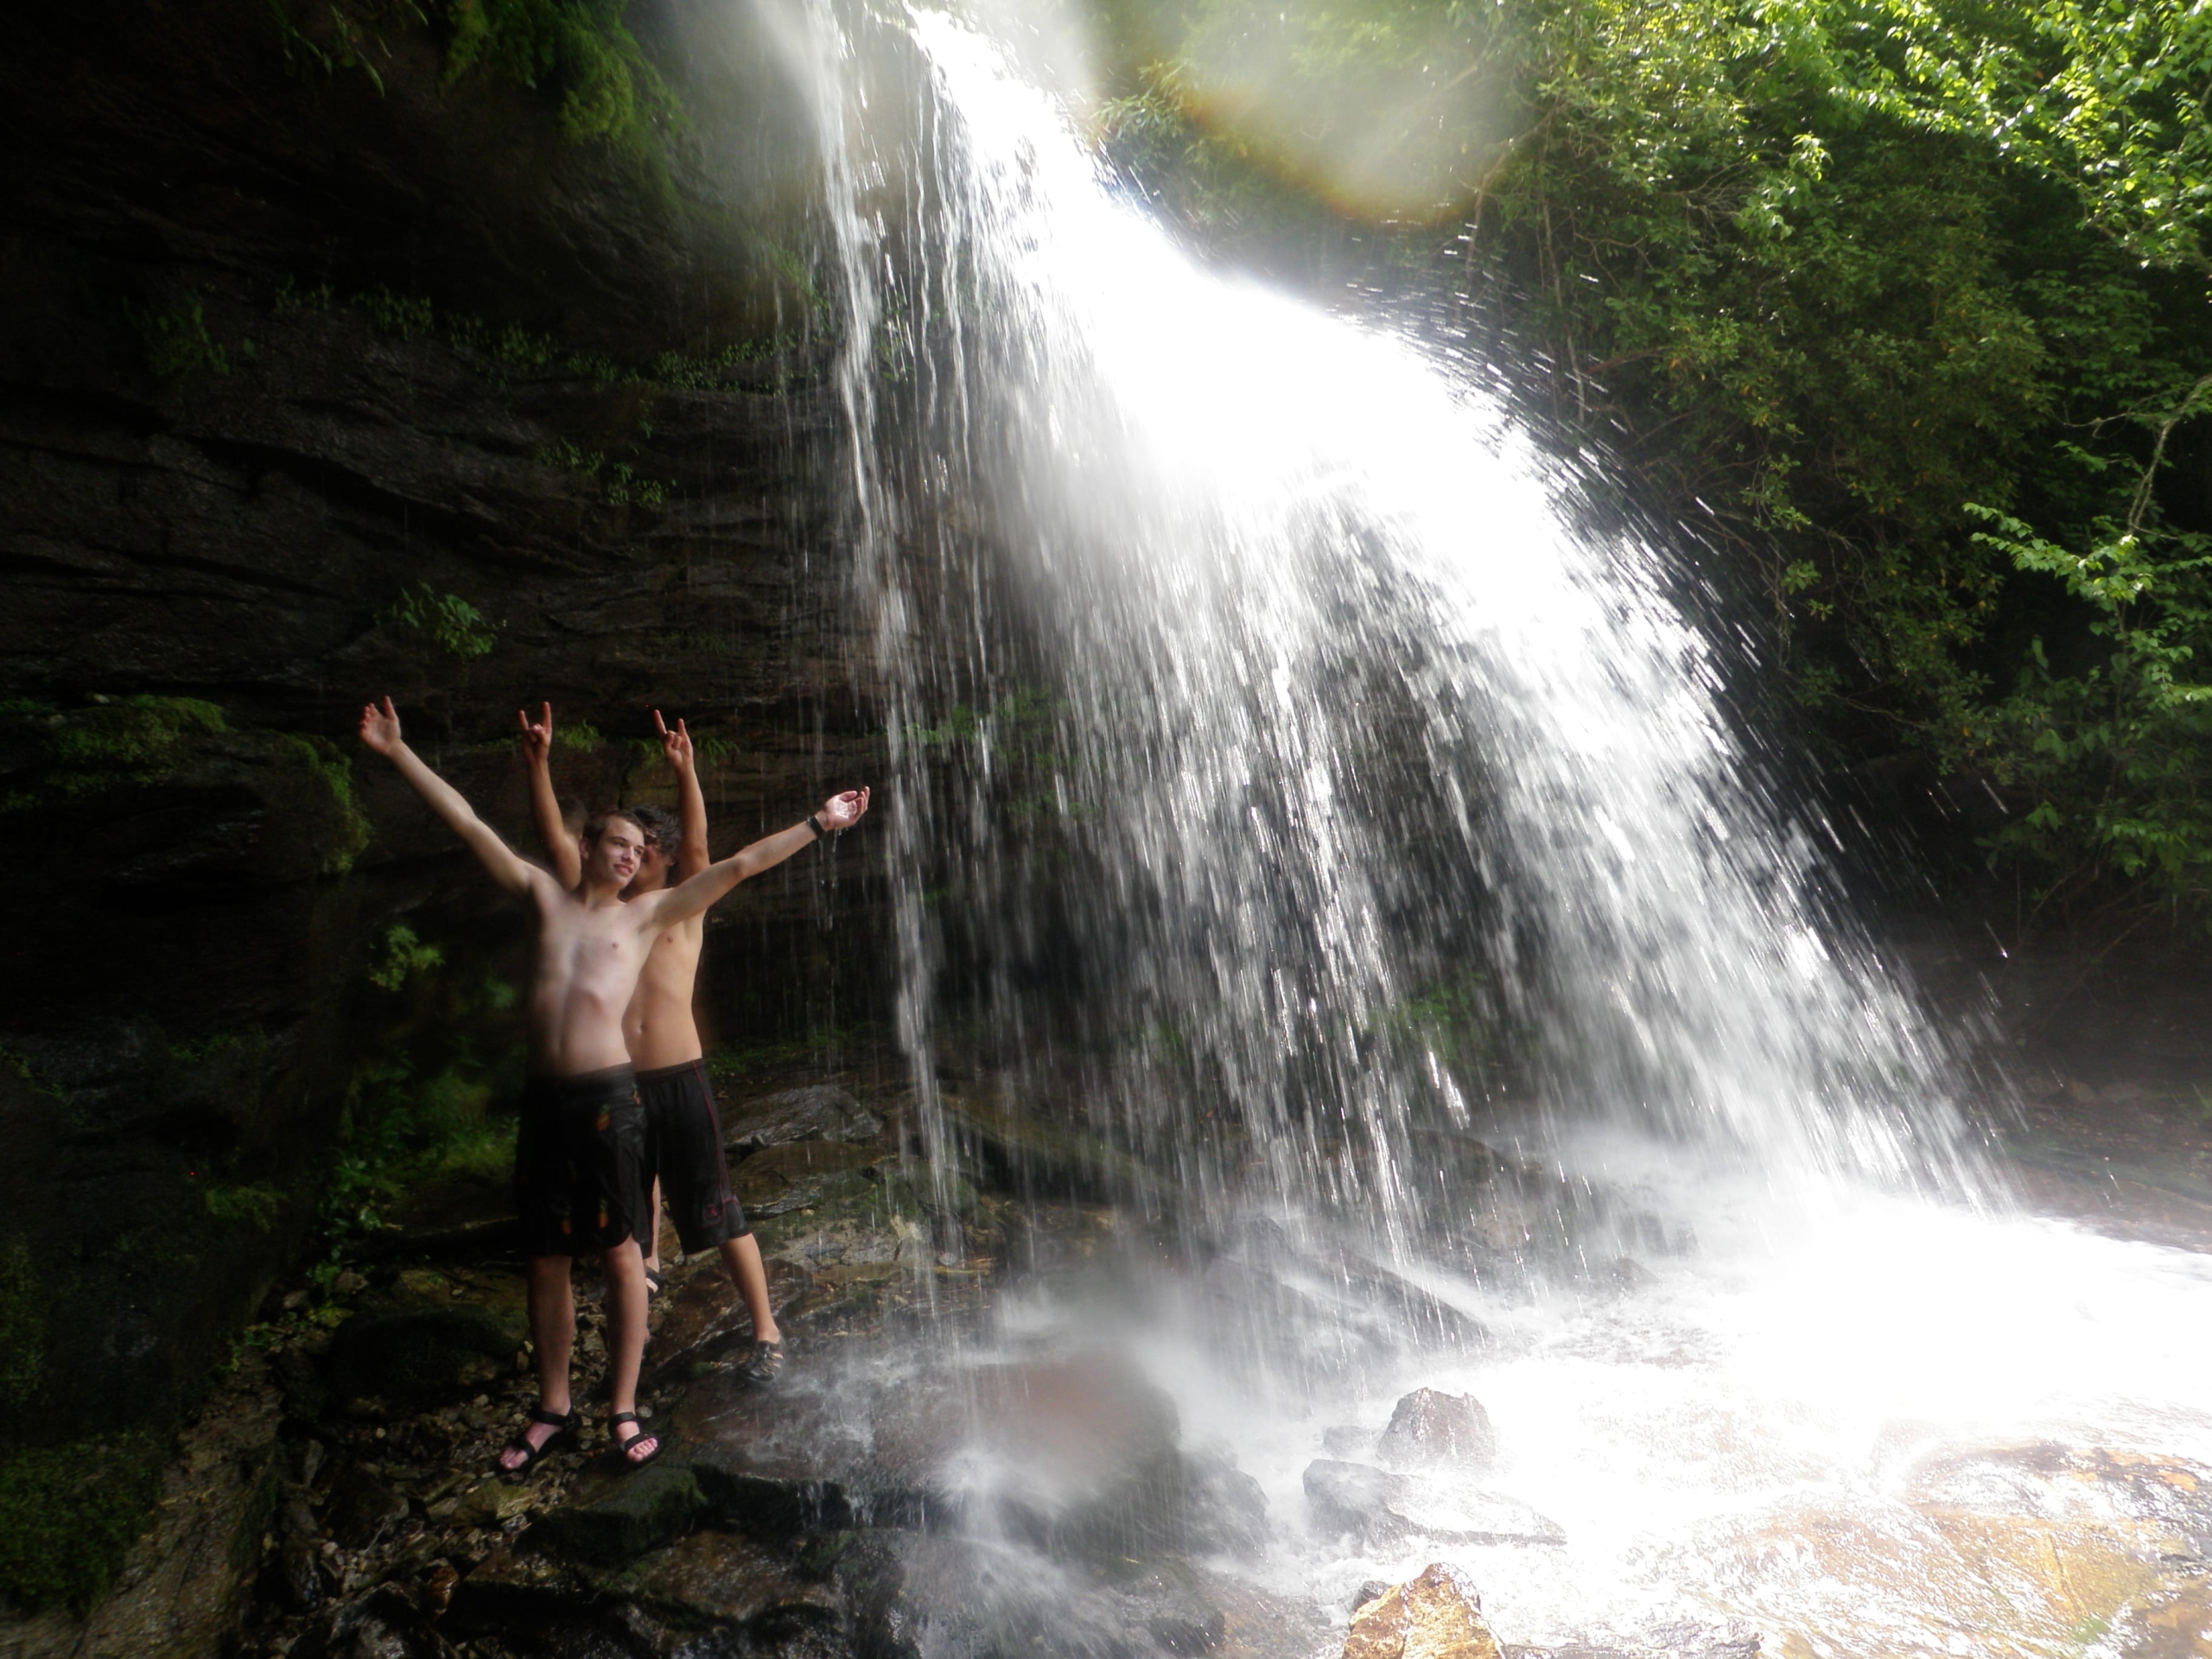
580	51
1900	304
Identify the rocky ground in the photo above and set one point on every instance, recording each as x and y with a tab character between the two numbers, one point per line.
337	1497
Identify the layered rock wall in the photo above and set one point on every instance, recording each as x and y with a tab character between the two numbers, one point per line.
318	385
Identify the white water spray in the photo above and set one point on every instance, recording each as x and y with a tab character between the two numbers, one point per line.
1253	683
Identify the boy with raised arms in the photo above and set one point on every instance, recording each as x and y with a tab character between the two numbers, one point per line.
683	1131
580	1160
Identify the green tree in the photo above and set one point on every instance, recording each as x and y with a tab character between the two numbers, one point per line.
1897	302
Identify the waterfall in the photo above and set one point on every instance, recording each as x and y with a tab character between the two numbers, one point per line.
1312	695
1296	803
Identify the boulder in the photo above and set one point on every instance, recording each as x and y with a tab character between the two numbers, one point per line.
1355	1498
424	1355
921	1593
823	1112
1080	1455
1221	1511
616	1514
1433	1617
1429	1428
1348	1442
1468	1516
703	1311
1374	1504
1037	1157
798	1175
715	1578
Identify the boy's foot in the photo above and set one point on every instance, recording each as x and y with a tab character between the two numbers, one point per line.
637	1448
764	1364
547	1430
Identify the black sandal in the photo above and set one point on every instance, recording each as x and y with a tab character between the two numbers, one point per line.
622	1447
653	1283
762	1365
565	1429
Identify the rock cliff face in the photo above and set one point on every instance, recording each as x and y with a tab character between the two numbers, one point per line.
314	386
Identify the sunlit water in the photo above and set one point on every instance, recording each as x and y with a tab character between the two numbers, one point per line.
1250	682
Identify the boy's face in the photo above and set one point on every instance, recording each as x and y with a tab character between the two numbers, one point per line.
615	859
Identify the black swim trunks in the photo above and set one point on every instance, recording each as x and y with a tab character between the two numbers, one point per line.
685	1133
582	1182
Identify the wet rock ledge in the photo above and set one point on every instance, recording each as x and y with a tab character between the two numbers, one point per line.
337	1497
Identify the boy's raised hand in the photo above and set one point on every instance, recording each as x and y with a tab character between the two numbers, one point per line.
843	811
380	727
537	739
676	746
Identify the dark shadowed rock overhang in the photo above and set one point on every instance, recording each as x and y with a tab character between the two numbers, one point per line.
314	386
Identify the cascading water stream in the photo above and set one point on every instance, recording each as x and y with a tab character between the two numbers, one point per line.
1257	696
1262	549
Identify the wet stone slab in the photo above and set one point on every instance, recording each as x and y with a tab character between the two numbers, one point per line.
1360	1501
799	1175
819	1112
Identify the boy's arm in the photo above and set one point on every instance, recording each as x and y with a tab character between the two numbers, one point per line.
544	806
380	731
691	802
688	899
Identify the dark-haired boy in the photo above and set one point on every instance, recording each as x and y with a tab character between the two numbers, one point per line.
580	1159
683	1130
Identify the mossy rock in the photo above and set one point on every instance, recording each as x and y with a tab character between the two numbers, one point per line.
419	1356
69	1515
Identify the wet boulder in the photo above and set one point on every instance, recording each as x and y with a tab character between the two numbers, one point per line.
614	1515
918	1593
2162	1498
1469	1516
393	1621
799	1175
1079	1456
718	1580
701	1314
1355	1498
1429	1428
1436	1616
823	1112
1361	1501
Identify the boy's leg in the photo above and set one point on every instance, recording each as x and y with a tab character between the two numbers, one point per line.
741	1256
623	1266
652	1235
553	1333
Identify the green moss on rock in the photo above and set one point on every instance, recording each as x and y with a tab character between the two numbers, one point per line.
69	1515
347	837
60	756
22	1323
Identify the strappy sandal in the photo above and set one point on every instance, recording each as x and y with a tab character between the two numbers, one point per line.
565	1428
622	1447
762	1365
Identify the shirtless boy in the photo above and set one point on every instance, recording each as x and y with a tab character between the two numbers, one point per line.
683	1132
579	1161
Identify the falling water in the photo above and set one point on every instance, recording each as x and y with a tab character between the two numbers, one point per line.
1332	698
1290	785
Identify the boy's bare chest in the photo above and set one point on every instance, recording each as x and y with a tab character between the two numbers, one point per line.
592	943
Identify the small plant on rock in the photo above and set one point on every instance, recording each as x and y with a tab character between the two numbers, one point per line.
446	621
